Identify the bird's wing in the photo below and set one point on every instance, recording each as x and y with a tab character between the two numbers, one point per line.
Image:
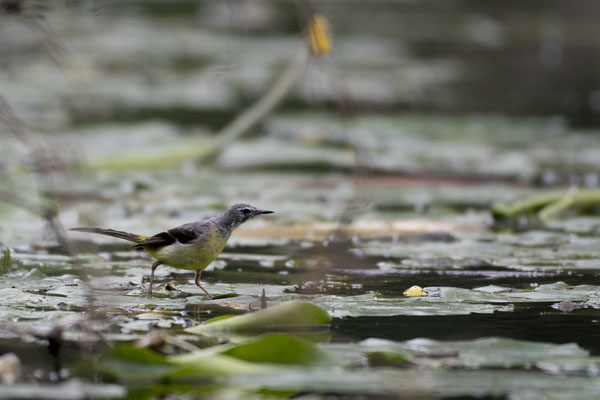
182	234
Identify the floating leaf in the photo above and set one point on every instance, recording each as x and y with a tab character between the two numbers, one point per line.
388	359
209	363
456	301
277	349
490	352
69	390
289	315
126	362
372	305
429	383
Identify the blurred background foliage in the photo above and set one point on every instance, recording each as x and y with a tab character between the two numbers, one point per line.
462	89
453	145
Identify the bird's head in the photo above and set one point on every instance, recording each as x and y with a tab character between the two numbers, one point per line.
240	213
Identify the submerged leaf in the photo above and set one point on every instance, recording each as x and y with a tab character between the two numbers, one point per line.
127	362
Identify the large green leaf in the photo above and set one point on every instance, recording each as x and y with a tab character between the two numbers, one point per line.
209	363
277	349
289	315
126	362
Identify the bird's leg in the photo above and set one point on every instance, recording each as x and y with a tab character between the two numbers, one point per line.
197	280
156	264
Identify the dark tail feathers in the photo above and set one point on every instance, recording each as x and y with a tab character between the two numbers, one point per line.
132	237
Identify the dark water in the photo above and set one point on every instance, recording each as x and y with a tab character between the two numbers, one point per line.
528	322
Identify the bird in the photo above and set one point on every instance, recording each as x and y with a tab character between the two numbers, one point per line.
191	246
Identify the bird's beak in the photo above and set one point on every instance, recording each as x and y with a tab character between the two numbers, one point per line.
266	212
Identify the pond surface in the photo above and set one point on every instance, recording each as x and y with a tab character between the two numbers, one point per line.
119	102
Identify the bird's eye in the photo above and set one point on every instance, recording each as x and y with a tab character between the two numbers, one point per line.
246	210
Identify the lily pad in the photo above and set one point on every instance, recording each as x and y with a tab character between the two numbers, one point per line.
289	315
440	363
126	362
455	301
429	382
73	389
531	251
278	349
375	306
480	353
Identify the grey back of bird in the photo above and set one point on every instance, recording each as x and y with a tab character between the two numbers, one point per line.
223	223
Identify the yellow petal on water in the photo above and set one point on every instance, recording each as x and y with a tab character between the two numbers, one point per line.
415	291
318	35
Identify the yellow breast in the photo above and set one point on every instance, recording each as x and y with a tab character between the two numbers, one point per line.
194	255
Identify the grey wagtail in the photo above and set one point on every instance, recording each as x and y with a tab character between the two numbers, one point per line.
189	246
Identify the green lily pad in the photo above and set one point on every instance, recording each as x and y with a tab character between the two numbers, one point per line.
126	362
277	349
481	353
455	301
558	291
209	363
375	306
73	389
529	251
415	383
489	352
289	315
500	363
